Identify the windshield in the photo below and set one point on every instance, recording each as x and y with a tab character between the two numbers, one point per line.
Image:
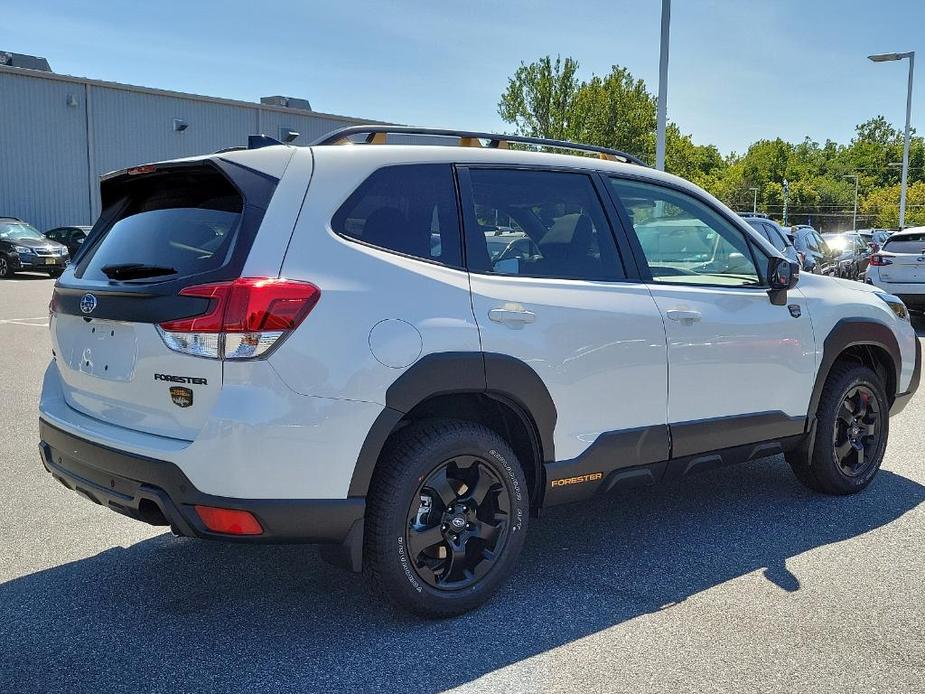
19	231
837	242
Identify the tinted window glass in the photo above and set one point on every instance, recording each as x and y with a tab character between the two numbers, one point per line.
541	224
683	240
183	223
407	209
776	238
55	235
907	243
760	228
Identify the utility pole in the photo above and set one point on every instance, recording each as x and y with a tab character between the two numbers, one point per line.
662	112
786	193
754	200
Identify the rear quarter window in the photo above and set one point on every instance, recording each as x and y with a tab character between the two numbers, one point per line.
408	209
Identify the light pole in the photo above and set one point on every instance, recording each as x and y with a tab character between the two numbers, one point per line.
854	218
887	57
662	112
754	200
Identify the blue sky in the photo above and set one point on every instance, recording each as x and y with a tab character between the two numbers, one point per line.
740	69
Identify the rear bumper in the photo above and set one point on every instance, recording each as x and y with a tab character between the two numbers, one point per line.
157	492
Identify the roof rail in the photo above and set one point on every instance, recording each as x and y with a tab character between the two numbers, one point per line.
376	134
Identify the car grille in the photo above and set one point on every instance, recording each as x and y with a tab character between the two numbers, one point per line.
48	252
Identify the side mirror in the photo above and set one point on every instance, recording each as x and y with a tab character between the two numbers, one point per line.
782	274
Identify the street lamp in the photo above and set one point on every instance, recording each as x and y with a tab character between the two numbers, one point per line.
754	200
662	109
884	58
854	219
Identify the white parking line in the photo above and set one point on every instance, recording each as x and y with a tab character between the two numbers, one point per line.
26	321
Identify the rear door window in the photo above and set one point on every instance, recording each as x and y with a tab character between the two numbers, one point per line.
409	209
168	226
547	224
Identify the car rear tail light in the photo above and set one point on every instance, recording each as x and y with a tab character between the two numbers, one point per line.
245	317
229	521
878	260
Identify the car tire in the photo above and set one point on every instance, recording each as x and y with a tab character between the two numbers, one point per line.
5	270
456	483
850	434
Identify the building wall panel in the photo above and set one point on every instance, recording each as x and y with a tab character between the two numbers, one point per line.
44	177
52	154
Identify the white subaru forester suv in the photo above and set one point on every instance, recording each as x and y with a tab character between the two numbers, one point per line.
403	352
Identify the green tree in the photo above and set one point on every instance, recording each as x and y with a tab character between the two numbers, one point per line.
882	204
615	111
540	98
546	99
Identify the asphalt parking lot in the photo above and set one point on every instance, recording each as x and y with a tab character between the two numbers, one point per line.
739	581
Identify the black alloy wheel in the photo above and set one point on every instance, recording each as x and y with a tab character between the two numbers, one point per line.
857	431
844	448
458	523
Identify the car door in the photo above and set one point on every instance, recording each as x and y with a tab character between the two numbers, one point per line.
740	366
559	297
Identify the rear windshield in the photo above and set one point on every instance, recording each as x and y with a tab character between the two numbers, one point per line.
910	243
168	225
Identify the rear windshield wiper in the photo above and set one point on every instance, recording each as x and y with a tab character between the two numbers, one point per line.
134	271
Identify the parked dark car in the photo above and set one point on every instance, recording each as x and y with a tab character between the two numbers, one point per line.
72	237
853	254
875	238
22	247
817	257
773	232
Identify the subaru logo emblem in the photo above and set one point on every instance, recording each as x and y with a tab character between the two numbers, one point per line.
87	303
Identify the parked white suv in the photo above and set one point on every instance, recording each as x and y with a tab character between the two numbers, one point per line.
899	267
405	351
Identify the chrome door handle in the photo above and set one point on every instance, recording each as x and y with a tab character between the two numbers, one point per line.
686	317
512	314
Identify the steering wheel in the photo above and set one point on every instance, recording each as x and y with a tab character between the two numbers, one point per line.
508	250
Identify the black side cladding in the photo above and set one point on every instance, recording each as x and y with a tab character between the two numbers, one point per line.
154	302
445	373
851	332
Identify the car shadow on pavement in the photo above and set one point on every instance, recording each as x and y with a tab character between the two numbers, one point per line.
180	614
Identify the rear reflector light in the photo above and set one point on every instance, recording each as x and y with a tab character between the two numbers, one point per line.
879	260
229	521
244	319
146	169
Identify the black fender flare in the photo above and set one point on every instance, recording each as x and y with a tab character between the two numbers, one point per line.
852	332
443	373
